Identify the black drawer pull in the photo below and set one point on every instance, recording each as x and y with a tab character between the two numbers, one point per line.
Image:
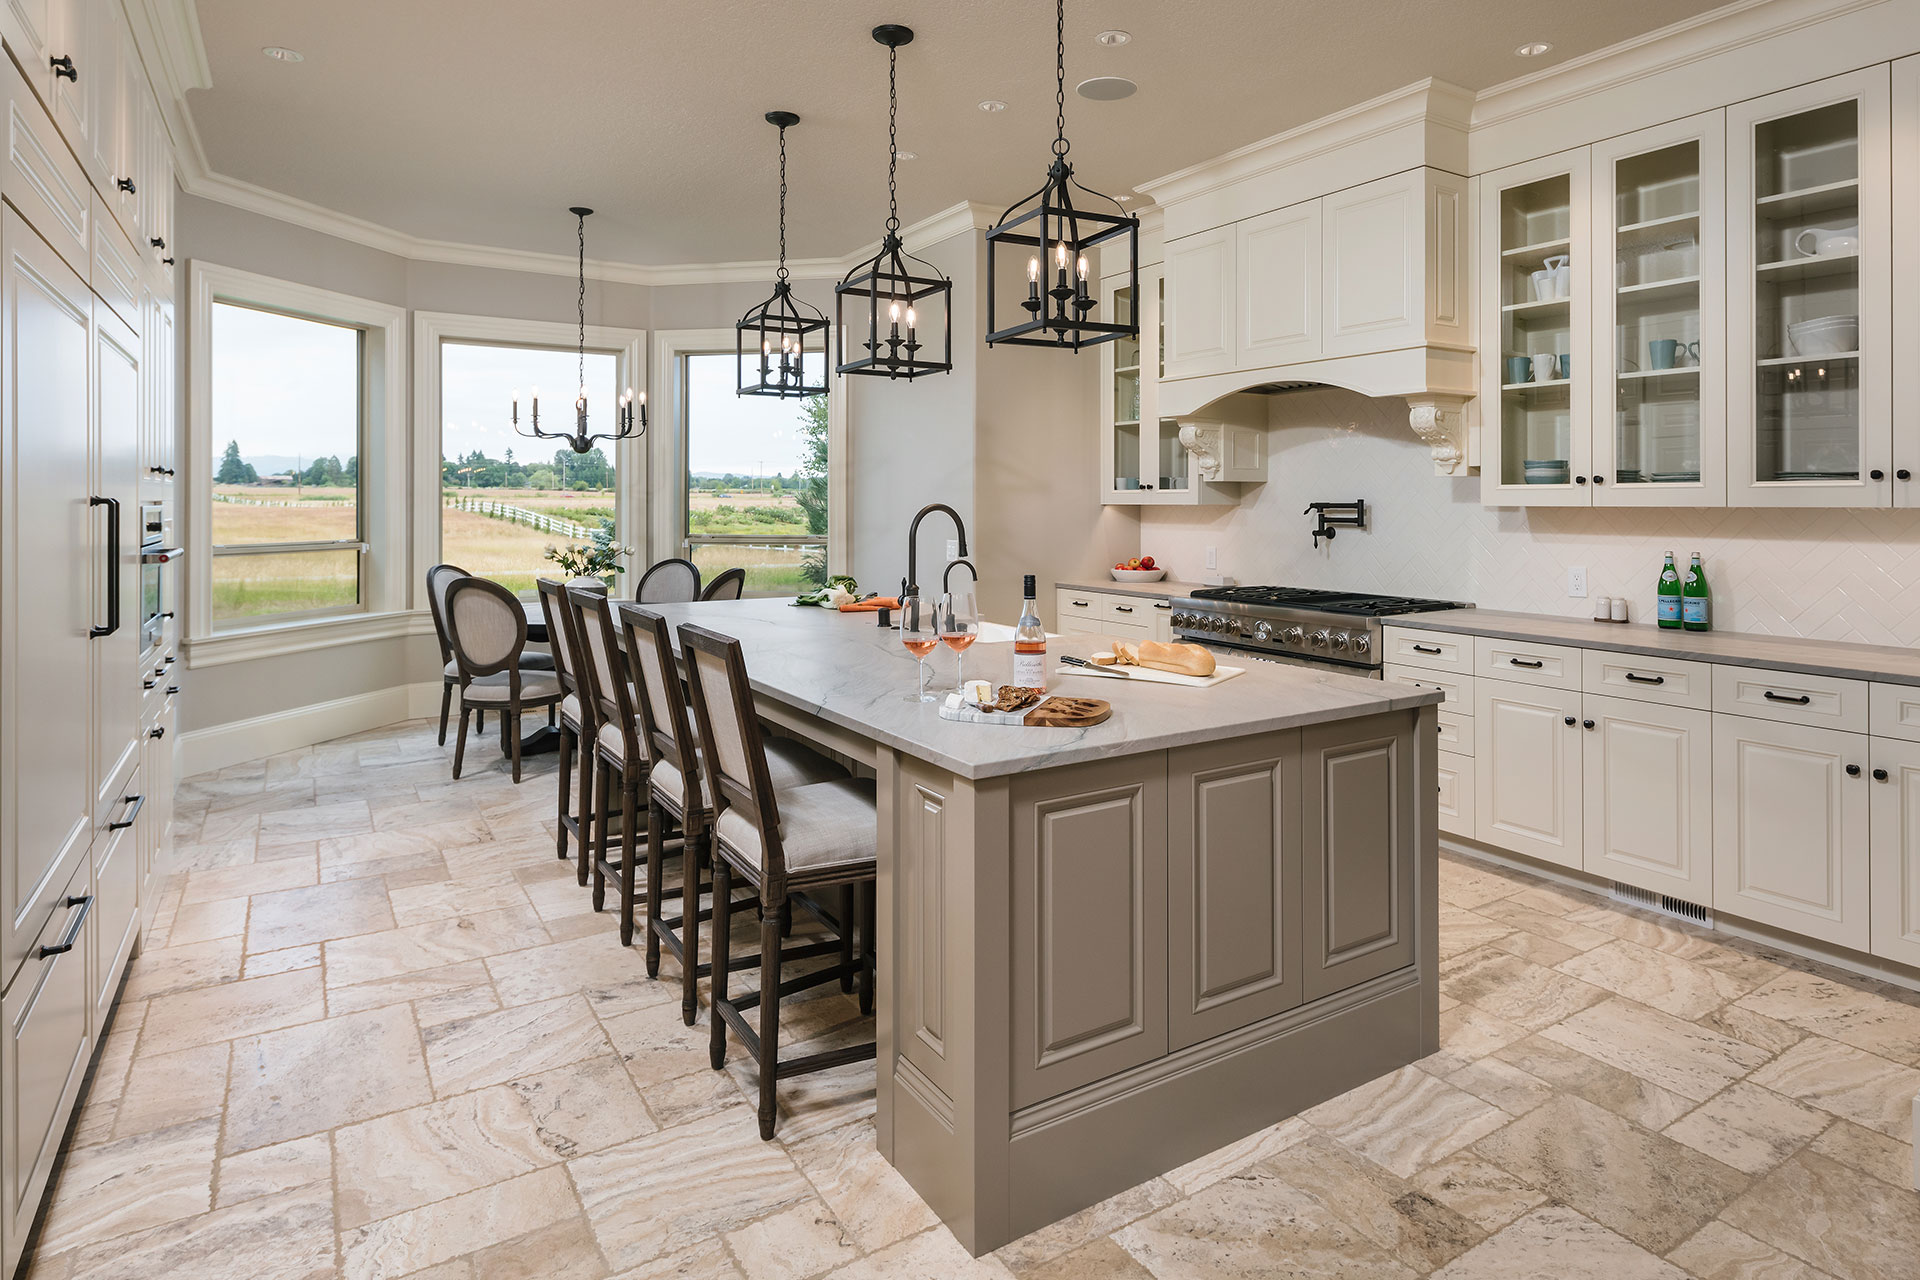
158	731
172	689
1800	701
1123	608
72	935
1163	605
1426	648
137	803
1079	604
1533	665
1640	679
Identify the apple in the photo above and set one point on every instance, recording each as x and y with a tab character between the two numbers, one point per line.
1146	562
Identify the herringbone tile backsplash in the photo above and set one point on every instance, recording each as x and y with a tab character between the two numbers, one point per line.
1840	575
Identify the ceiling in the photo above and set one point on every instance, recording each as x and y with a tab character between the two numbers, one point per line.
480	123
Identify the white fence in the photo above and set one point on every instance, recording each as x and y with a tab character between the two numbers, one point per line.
521	515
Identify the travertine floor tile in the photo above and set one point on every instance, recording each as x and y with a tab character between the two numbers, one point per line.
1479	1191
1235	1156
496	1047
1719	1252
267	1171
1750	1128
172	1088
433	1234
1573	1072
283	1237
1518	991
1840	1010
132	1184
1846	1081
323	1074
1407	1120
1088	1225
205	921
1854	1227
1101	1260
1888	1159
866	1193
253	877
1416	1229
201	1016
1654	978
792	1244
932	1253
613	978
563	1251
432	945
317	913
1680	1057
437	900
1557	1242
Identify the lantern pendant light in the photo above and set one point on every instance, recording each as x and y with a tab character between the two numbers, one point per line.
580	439
770	341
1060	301
894	288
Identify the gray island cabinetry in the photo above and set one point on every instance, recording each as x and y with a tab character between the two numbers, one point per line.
1105	952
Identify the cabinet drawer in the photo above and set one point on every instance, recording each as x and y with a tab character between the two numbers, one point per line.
1459	689
1896	711
41	178
1136	610
1069	605
1134	632
1434	650
1456	731
1673	681
1791	697
1456	793
1525	662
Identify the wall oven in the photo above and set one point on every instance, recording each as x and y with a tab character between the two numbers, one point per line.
156	583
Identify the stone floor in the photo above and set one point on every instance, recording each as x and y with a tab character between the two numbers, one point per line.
378	1032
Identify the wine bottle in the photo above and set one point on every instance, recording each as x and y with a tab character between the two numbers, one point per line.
1696	601
1669	595
1030	645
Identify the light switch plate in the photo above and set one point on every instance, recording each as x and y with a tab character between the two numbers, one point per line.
1577	581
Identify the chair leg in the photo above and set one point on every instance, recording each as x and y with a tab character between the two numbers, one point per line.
656	837
601	817
846	938
567	741
691	849
770	917
446	706
460	743
865	900
722	949
513	734
588	768
629	850
479	722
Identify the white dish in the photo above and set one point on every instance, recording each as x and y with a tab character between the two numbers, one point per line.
1137	575
1827	336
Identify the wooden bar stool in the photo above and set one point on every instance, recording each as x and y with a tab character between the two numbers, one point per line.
576	725
675	796
804	839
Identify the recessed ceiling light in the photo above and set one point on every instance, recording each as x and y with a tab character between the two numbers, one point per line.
1112	37
991	105
280	53
1107	88
1534	49
1122	199
909	155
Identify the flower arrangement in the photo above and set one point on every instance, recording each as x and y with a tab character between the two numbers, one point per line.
597	559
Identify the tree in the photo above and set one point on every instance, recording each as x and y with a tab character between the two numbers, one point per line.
811	480
233	469
540	477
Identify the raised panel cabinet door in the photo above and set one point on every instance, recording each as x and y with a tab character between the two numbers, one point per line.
1357	853
1906	271
1201	290
1089	923
1527	762
115	646
26	26
1894	875
116	891
1233	884
1790	834
1279	258
1373	264
77	27
1456	793
41	179
1649	796
48	593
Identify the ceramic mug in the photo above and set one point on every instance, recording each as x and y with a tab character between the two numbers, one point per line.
1566	366
1818	242
1667	353
1560	266
1545	367
1519	369
1542	285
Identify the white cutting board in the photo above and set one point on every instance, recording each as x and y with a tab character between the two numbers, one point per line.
1152	676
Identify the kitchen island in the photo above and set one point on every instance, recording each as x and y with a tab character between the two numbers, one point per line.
1104	952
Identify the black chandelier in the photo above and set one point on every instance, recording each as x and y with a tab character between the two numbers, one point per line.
1059	301
579	439
782	320
893	278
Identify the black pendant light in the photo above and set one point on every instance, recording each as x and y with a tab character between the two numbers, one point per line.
770	341
1060	301
580	440
894	288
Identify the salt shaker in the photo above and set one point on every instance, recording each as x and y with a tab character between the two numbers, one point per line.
1602	608
1619	608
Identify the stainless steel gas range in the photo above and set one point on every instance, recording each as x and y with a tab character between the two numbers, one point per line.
1300	626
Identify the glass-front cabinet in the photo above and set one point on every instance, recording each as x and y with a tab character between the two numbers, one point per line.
1144	461
1810	299
1659	332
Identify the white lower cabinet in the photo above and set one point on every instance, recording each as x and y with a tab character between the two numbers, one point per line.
1790	827
1648	799
1527	762
1456	793
1894	879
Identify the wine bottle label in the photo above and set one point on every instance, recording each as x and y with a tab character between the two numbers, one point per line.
1669	609
1030	670
1694	609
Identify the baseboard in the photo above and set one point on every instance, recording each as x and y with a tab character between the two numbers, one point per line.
237	741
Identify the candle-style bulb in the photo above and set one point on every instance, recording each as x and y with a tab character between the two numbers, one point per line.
1033	269
909	317
1060	255
1083	267
893	312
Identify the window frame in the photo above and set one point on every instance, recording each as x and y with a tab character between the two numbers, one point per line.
667	531
630	457
382	468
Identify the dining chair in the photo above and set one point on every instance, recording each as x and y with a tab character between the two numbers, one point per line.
576	724
669	582
438	579
823	835
487	628
675	796
728	586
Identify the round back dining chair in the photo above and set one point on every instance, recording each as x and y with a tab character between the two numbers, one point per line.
728	586
439	578
669	582
487	627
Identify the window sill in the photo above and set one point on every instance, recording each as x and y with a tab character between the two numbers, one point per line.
278	639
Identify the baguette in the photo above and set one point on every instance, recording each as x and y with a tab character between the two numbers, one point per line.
1186	659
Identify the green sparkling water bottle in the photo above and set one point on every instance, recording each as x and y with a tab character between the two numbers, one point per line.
1669	595
1696	601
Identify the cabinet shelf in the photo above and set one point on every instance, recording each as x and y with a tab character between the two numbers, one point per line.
1775	362
1827	264
1543	249
1672	222
1544	307
1642	375
1655	290
1537	386
1809	200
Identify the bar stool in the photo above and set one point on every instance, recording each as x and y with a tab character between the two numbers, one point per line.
803	839
576	724
617	751
675	797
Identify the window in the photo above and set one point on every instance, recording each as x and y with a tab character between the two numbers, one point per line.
288	419
505	499
756	482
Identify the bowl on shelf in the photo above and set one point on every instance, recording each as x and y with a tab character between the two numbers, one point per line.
1546	470
1137	575
1826	336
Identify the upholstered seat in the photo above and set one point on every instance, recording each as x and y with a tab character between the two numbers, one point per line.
534	685
826	824
789	764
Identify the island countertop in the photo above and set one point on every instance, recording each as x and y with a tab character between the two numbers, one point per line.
847	670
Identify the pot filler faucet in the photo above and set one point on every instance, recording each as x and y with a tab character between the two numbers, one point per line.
1334	516
910	585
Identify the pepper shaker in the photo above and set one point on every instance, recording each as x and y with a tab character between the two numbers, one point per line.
1619	609
1602	608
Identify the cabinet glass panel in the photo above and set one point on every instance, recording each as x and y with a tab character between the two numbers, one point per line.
1807	296
1173	457
1536	249
1126	399
1656	327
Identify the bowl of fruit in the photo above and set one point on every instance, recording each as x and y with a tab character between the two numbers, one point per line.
1138	569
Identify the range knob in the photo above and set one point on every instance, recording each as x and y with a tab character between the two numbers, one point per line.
1262	631
1180	619
1294	635
1225	624
1321	638
1362	643
1339	640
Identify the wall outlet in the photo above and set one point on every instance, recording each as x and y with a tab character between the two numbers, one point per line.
1213	557
1577	581
953	549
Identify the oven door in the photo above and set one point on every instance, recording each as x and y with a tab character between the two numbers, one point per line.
1233	654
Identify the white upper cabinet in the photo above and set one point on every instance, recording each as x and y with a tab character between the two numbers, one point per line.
27	27
1279	253
1659	322
1391	255
1200	299
74	66
1810	298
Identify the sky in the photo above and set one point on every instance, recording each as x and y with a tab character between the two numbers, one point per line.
284	387
742	435
477	385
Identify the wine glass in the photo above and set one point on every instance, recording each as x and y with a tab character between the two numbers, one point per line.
914	625
958	622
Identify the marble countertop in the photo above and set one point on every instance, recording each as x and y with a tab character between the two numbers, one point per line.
843	668
1730	648
1165	589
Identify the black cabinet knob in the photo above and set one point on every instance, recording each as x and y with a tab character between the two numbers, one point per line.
1853	771
63	68
1599	479
1879	775
156	242
1876	474
1579	479
168	261
1569	722
126	185
1903	474
1586	724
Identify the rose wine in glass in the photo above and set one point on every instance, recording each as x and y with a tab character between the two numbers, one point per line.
959	626
916	633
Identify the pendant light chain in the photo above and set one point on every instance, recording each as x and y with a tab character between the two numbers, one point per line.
1060	144
893	145
583	301
783	204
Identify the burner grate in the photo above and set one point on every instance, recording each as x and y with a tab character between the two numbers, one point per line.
1359	604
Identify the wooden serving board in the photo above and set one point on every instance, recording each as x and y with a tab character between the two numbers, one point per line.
1153	676
1054	713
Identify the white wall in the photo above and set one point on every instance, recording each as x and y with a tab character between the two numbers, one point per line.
1840	575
